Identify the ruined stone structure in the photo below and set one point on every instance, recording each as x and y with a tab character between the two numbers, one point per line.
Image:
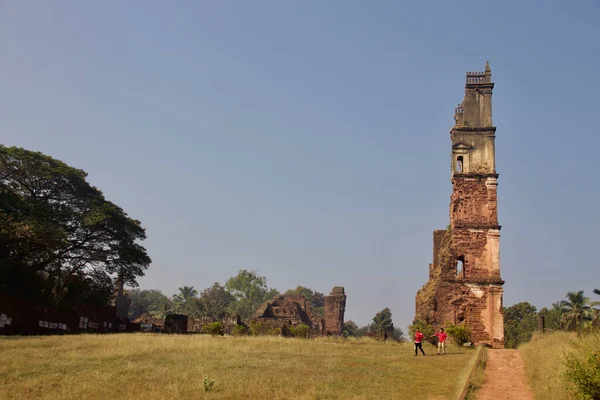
121	301
176	323
335	305
287	308
198	324
464	280
284	311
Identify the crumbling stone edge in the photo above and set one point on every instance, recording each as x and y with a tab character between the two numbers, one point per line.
469	385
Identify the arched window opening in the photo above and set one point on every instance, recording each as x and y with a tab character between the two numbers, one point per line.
459	164
460	266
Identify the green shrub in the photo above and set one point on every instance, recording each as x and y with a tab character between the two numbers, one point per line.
255	328
208	384
460	334
585	376
425	328
274	332
239	330
300	330
216	328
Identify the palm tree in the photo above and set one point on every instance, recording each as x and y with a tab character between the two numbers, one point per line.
576	310
186	293
164	308
184	301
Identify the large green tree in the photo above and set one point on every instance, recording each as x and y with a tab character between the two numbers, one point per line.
316	299
59	235
553	318
576	311
250	291
350	328
186	302
382	323
520	321
398	334
150	302
215	301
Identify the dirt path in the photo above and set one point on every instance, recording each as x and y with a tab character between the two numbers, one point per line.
505	377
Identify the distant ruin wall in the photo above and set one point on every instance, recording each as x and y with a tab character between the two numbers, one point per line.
22	317
285	311
335	306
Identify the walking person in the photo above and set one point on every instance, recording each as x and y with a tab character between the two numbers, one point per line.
441	335
418	339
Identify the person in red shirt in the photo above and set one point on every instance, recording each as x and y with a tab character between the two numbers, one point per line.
418	339
441	335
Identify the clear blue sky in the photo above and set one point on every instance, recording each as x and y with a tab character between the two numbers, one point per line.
310	140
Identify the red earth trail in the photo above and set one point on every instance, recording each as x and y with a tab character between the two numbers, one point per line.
505	377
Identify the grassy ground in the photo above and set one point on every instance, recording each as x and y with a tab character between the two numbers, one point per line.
147	366
476	380
545	358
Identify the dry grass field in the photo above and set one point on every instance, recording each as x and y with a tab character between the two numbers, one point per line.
545	357
147	366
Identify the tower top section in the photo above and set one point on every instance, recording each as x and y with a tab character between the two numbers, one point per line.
480	77
476	109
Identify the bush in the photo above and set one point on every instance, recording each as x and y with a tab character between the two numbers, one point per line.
585	376
255	328
274	332
300	330
216	328
425	328
239	330
460	334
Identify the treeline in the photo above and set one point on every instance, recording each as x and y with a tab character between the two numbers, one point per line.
382	327
576	313
242	294
61	241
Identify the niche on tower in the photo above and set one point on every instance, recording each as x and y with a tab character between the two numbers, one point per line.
460	158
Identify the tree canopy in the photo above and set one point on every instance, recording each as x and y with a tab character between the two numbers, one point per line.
576	310
150	302
186	302
520	321
316	299
215	301
250	291
59	237
382	322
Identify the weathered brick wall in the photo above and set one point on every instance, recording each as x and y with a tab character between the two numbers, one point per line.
196	324
335	305
285	311
478	306
469	244
473	297
23	317
473	201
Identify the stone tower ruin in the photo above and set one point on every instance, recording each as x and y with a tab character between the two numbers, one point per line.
464	279
335	305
